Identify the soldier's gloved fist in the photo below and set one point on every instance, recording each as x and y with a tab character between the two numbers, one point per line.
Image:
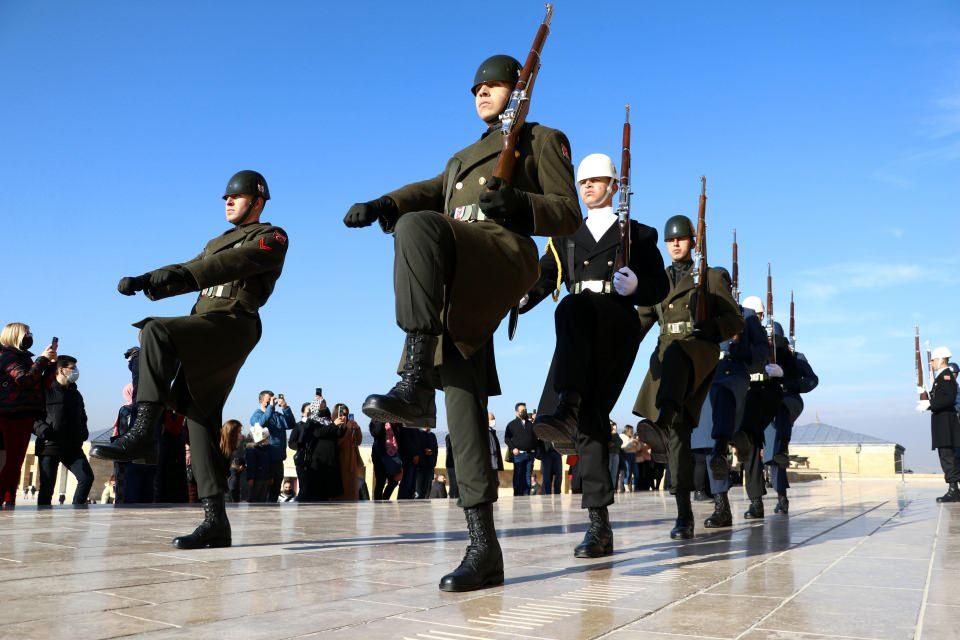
923	405
774	370
625	281
163	278
364	214
130	285
503	202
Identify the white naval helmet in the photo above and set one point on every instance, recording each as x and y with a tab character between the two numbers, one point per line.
596	165
754	303
941	353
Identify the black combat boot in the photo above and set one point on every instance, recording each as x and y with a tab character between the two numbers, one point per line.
598	541
482	564
719	465
213	532
700	496
952	494
683	527
755	512
560	427
721	516
412	400
139	444
657	434
783	505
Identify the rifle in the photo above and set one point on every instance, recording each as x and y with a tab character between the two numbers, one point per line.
512	119
735	272
793	326
929	362
771	331
623	208
700	276
919	365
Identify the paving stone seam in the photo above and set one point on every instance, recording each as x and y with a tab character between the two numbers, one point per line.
706	588
918	632
127	615
825	569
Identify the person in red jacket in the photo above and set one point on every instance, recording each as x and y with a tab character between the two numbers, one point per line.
22	384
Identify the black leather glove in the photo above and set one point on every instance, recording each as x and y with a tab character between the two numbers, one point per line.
364	214
130	285
503	202
163	278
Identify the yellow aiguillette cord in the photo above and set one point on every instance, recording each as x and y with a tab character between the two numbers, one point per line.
556	256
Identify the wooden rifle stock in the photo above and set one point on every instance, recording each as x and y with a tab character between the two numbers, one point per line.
515	114
735	269
703	282
623	209
771	328
919	364
793	324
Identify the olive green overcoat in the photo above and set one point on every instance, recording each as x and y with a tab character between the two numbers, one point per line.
725	322
235	275
495	265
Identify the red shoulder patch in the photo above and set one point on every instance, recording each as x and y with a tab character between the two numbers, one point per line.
263	245
282	239
565	151
946	377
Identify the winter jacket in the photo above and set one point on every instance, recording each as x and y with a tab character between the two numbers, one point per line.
277	422
64	428
22	383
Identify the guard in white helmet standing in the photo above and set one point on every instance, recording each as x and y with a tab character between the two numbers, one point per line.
944	422
598	335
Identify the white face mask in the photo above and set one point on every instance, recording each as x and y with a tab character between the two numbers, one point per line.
74	375
493	423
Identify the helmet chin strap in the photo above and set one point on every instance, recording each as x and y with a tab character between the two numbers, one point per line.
246	214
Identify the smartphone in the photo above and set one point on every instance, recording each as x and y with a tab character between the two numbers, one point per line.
350	417
320	391
280	396
55	343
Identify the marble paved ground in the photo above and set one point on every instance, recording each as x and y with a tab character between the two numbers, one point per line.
862	560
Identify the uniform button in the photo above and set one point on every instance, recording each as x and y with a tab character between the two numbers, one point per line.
671	305
586	262
482	181
609	263
459	185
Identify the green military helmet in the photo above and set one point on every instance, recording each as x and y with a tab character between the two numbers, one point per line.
247	183
679	226
498	68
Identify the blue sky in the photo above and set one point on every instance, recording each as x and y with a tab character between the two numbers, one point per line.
829	132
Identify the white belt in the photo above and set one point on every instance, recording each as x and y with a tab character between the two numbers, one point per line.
597	286
759	377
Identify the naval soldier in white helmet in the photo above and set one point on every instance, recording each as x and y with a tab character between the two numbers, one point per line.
598	335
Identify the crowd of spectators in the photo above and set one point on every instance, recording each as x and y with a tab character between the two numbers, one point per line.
39	396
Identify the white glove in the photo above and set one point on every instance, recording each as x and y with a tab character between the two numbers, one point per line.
774	370
921	390
523	302
625	281
923	405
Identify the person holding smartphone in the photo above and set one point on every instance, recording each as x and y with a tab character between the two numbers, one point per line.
274	415
23	381
352	469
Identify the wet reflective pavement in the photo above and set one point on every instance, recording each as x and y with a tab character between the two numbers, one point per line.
867	559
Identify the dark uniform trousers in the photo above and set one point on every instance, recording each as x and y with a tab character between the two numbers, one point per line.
676	382
425	255
159	365
763	400
948	462
598	336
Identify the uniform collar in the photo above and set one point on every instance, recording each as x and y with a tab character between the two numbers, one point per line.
599	221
